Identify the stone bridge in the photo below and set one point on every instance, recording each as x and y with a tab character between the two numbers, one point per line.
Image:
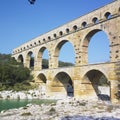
82	80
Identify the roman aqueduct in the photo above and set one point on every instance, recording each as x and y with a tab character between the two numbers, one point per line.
81	80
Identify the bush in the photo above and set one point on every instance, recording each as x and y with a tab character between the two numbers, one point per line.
13	75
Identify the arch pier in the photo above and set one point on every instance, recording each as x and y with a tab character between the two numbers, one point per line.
82	80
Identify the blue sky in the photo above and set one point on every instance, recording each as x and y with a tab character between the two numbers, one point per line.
20	21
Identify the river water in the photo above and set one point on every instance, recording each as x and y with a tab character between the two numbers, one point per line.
10	104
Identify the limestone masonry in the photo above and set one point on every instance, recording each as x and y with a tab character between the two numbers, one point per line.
81	80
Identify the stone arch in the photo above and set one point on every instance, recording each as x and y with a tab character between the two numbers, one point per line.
41	81
58	48
30	60
108	15
84	24
97	84
95	20
40	59
63	83
75	27
20	58
67	30
41	78
85	44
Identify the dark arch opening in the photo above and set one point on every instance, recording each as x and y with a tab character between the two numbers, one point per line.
95	20
60	33
75	27
42	78
63	81
67	30
20	59
84	24
31	60
100	84
108	15
66	54
45	60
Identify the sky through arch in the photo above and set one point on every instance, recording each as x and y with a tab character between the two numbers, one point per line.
98	48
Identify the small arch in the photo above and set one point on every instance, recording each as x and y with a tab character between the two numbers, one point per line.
35	43
55	35
108	15
97	84
65	84
84	24
44	40
75	27
60	33
67	30
27	46
49	38
39	42
95	20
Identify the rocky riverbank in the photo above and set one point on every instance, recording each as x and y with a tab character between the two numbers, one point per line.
39	93
67	109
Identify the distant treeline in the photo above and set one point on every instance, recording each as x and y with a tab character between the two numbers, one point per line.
61	64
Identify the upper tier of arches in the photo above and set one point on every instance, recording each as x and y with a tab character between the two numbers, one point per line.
93	18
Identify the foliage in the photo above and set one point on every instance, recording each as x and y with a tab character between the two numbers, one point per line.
45	64
12	73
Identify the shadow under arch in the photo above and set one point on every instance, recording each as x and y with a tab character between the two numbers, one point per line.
30	60
62	82
71	52
97	84
41	78
20	59
86	42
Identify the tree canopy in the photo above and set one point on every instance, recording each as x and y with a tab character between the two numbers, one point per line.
12	72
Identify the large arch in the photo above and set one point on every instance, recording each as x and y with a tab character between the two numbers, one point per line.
97	84
41	82
30	60
86	42
41	78
70	53
40	58
20	58
63	84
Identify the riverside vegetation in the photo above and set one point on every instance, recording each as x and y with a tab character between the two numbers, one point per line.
14	76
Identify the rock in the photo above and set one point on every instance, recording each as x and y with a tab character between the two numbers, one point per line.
66	109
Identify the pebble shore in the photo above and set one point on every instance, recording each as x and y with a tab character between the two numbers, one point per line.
67	109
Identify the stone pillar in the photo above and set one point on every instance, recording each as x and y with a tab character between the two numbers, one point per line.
53	62
27	62
38	63
113	91
77	82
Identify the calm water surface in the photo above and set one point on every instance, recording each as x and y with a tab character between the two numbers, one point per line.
10	104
